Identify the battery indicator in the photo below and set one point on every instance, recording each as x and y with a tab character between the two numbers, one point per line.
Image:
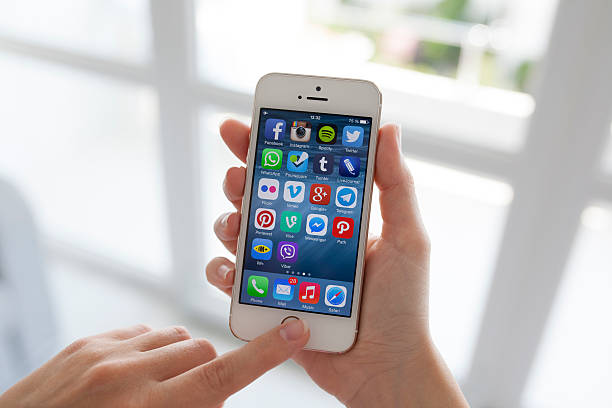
363	122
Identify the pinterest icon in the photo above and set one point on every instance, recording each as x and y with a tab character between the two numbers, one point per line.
265	218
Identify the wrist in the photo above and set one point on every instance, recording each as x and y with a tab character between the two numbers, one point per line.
420	380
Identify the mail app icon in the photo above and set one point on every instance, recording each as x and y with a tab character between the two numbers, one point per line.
283	290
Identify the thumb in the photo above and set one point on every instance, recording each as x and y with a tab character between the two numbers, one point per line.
214	382
398	203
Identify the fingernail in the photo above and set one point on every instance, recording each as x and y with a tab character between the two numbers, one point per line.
398	135
224	220
223	271
293	330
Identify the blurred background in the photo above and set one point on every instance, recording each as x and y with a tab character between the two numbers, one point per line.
111	169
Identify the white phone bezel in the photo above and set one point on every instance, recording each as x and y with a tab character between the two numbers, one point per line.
350	97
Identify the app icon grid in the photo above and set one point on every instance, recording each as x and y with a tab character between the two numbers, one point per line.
310	251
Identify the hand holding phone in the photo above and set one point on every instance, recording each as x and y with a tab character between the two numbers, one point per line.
394	361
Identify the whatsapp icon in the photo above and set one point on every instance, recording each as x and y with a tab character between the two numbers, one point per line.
272	159
327	134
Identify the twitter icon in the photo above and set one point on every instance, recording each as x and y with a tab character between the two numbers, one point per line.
352	136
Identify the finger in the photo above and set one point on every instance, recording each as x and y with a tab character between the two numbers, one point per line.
235	134
226	228
126	332
212	383
220	272
160	338
398	203
177	358
233	185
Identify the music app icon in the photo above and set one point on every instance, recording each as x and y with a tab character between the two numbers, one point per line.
309	292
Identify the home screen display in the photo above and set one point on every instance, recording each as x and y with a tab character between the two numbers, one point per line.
305	213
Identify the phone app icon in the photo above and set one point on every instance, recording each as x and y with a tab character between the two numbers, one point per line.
346	197
349	166
335	296
309	292
323	163
291	221
327	134
265	218
283	290
261	248
271	159
343	227
297	161
268	189
294	191
275	129
258	286
287	251
320	194
316	224
352	136
300	131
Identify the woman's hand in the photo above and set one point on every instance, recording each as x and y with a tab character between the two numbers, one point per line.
139	367
394	361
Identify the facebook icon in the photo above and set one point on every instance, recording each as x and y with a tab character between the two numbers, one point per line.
275	129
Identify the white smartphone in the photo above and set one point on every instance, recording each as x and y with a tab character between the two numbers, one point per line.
306	207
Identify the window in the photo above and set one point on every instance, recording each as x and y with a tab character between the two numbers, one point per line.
113	29
607	159
428	56
577	347
84	149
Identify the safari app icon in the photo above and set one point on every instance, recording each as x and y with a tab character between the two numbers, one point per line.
335	296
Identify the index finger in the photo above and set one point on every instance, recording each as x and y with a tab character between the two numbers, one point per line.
235	134
210	384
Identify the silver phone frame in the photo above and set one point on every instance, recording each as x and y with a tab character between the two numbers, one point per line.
356	97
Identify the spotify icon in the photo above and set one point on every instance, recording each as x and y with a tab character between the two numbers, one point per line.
327	134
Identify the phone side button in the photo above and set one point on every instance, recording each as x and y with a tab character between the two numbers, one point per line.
289	317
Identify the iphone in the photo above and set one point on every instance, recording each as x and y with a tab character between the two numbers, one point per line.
304	226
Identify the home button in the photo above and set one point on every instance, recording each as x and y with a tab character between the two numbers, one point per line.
288	318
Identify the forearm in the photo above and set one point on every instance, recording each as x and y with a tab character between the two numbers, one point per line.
423	382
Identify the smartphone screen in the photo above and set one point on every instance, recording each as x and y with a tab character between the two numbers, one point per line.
305	211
